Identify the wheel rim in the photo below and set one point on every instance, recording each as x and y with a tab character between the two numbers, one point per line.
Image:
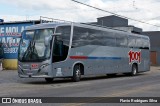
134	71
78	73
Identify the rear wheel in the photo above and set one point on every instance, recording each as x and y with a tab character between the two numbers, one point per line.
134	70
76	73
49	80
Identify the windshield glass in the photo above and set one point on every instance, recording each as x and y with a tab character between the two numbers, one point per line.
32	46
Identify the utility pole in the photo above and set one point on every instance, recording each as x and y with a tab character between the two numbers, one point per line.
134	4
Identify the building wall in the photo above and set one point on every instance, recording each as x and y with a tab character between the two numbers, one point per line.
112	21
9	31
155	43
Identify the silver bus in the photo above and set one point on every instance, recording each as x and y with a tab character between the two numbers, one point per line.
71	50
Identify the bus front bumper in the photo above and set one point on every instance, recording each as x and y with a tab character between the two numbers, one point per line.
34	73
34	76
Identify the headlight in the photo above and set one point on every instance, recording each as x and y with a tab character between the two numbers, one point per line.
44	65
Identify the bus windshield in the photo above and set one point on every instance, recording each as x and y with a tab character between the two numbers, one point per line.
32	47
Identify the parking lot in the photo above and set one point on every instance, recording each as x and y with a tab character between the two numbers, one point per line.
143	85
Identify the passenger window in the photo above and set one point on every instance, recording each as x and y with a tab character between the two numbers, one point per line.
87	36
132	42
121	41
60	51
146	44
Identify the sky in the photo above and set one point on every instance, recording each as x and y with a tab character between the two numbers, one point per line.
143	10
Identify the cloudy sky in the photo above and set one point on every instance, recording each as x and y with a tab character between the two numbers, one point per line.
143	10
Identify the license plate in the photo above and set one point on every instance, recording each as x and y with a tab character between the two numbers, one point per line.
34	66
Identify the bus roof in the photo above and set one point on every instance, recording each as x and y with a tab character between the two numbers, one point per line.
45	25
53	25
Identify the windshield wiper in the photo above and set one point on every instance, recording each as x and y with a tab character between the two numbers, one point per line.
30	52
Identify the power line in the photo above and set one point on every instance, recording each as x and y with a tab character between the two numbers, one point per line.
114	13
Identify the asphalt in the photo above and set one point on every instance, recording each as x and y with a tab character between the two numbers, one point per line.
143	85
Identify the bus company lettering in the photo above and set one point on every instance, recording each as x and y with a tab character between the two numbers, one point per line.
134	56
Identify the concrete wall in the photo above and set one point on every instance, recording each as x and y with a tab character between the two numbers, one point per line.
157	49
112	21
154	38
155	42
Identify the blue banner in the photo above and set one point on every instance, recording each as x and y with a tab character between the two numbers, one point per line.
7	32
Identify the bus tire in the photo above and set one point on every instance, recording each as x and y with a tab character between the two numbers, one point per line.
49	80
134	70
76	73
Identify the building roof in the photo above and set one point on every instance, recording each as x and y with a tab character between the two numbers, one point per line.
20	22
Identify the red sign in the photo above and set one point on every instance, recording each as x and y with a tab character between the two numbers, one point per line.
134	56
34	66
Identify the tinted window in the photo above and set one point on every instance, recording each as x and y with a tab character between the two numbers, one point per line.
121	40
139	43
109	39
145	43
131	41
66	32
86	36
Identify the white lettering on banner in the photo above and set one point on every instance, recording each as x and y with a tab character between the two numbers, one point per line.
11	31
5	40
8	29
15	45
15	29
10	50
1	30
8	32
22	28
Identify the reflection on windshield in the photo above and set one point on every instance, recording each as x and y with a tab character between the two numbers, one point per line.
32	47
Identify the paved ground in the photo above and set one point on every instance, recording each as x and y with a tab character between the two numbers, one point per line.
144	85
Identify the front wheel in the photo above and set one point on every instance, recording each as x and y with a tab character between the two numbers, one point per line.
76	73
49	80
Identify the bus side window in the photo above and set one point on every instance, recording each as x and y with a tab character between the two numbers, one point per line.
61	46
121	41
132	42
57	51
145	43
60	51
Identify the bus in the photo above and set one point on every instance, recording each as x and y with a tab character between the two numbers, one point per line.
71	50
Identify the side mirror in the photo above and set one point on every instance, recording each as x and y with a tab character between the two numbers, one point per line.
47	40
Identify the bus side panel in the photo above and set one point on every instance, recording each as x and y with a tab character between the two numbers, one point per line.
63	68
145	61
102	59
